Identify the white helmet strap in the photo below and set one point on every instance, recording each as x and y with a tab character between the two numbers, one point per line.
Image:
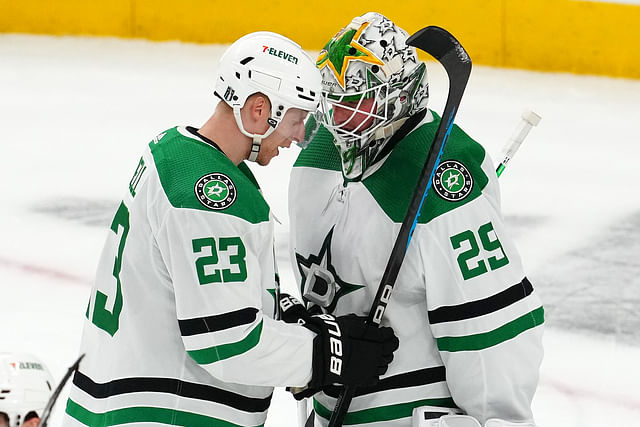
388	130
256	138
255	148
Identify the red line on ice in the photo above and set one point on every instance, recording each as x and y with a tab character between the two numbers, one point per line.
612	399
43	271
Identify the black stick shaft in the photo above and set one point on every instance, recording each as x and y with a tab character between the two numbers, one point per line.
448	51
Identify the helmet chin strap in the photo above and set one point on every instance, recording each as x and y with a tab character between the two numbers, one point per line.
255	138
388	130
255	148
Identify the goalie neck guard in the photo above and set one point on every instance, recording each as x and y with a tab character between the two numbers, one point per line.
25	386
371	82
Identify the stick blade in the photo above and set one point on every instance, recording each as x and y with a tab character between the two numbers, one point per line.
443	46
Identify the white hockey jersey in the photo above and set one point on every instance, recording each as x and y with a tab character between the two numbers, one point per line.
179	327
468	320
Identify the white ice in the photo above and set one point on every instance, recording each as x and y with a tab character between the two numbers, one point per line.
75	114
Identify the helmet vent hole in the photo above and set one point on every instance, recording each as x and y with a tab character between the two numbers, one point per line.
352	51
383	43
246	60
237	75
299	89
312	93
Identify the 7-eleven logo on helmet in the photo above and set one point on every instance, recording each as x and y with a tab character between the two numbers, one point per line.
280	54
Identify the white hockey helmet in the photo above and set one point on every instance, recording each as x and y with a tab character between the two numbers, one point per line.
371	81
273	65
25	386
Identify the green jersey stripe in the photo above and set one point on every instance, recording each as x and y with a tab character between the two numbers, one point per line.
224	351
143	414
495	337
384	413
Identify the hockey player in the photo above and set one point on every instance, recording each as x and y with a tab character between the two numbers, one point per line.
179	329
25	388
468	320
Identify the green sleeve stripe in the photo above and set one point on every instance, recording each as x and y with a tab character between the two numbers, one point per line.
384	413
225	351
143	414
491	338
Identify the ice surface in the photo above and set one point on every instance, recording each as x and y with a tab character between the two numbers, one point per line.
75	114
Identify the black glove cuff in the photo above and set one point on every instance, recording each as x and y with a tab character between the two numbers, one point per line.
292	310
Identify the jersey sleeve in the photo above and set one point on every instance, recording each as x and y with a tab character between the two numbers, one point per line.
483	311
221	267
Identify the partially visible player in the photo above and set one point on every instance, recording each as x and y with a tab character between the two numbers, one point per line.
25	388
179	329
468	319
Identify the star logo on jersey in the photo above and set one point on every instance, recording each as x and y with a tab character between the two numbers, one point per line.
326	274
344	48
215	191
452	181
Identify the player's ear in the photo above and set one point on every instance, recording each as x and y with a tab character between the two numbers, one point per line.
257	109
259	106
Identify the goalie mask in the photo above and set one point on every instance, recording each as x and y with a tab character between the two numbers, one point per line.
25	386
371	82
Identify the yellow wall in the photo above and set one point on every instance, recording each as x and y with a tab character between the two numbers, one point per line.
552	35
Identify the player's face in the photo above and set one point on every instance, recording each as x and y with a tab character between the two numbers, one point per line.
358	120
290	128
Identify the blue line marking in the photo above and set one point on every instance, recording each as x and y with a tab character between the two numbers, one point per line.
424	195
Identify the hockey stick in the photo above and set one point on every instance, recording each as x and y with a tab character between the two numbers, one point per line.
440	44
529	120
46	412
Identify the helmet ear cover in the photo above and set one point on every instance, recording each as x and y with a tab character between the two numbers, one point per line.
271	64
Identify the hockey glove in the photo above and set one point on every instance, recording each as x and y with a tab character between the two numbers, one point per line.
292	310
347	350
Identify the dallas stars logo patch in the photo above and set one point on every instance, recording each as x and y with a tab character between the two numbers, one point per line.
216	191
452	181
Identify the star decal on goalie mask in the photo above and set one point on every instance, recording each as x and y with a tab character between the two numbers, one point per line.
344	48
323	260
